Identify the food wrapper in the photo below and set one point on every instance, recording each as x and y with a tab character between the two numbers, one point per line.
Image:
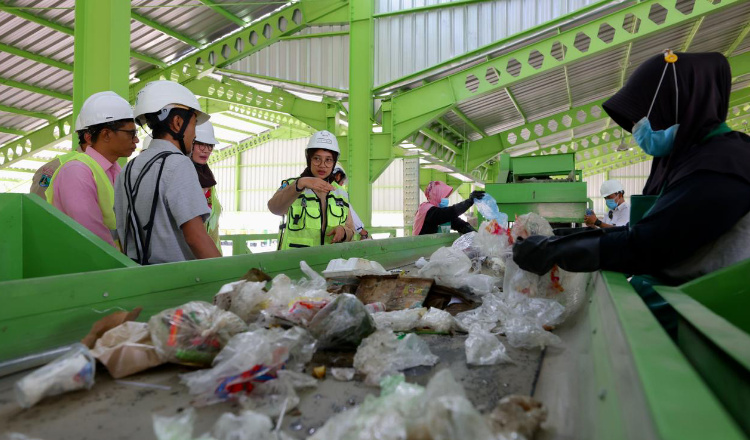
126	350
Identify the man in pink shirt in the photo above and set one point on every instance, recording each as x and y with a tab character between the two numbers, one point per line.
82	187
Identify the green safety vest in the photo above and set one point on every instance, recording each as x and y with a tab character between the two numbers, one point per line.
104	190
304	227
212	224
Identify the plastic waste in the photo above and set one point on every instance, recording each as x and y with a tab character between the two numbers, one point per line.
375	307
249	300
525	332
399	320
484	348
193	333
420	263
530	224
437	320
247	425
517	417
466	244
493	240
340	267
179	427
248	363
126	349
72	371
342	324
451	267
19	436
343	374
383	354
487	206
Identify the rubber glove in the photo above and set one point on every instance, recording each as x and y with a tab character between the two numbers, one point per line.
575	253
476	195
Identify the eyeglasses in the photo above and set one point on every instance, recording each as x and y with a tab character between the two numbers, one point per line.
204	147
317	160
133	133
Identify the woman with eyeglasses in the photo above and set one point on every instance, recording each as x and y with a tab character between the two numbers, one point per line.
202	149
314	206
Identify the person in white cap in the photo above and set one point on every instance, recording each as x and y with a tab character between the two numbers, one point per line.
339	175
315	206
43	176
82	186
159	203
619	209
205	140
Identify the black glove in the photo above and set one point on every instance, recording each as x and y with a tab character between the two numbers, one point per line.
476	195
574	253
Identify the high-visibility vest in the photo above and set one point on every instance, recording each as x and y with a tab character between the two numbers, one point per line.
304	226
104	190
212	224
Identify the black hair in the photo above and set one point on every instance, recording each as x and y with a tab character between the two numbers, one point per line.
159	129
81	137
96	130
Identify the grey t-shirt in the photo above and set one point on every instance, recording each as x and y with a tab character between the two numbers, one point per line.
180	199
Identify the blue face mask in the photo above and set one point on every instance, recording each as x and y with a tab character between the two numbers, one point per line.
655	143
443	203
611	203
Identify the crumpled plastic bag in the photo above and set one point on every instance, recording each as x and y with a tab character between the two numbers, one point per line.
437	320
342	324
530	224
466	244
249	364
284	291
451	267
484	348
353	267
382	354
247	425
72	371
493	240
127	349
517	417
410	319
525	332
193	333
409	411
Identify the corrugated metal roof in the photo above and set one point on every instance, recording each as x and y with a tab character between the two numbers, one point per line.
718	31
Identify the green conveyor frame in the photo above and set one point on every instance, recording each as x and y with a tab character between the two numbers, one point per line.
619	376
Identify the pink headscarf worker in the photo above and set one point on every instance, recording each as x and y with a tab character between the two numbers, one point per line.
435	211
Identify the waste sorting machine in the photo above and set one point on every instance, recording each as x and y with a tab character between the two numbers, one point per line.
618	376
547	185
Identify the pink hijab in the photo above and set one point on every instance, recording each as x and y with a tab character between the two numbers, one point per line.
434	192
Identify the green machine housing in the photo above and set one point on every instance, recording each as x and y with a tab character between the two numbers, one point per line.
547	185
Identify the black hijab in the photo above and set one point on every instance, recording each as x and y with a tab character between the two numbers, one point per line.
704	82
205	175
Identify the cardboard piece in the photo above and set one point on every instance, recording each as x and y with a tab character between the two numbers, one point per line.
126	350
107	323
396	292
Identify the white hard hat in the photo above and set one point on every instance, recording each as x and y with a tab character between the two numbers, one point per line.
610	187
162	96
324	140
78	125
204	133
103	107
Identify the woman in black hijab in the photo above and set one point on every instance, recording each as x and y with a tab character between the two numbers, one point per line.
700	221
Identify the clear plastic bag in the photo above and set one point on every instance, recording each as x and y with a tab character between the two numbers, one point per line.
451	267
342	324
493	241
399	320
194	333
249	360
382	354
467	244
248	425
517	417
249	300
353	267
437	320
179	427
530	224
525	332
484	348
72	371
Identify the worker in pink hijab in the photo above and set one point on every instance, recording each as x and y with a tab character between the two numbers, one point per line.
435	211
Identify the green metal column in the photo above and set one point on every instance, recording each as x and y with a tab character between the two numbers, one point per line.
361	74
102	49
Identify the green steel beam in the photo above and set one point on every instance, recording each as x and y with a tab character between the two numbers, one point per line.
247	145
102	50
283	81
35	89
625	64
35	57
446	126
468	122
740	64
515	104
22	112
237	182
249	121
226	14
441	140
429	8
165	30
361	80
692	34
415	108
737	41
148	59
226	141
19	149
234	129
317	35
14	131
277	100
250	39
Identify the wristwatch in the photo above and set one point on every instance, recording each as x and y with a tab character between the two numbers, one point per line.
598	222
